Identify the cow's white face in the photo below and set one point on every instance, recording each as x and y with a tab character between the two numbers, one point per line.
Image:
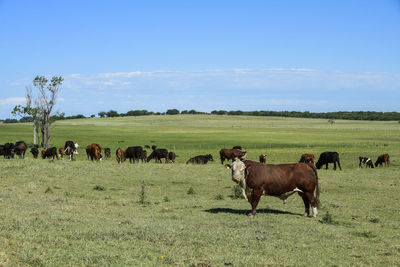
238	170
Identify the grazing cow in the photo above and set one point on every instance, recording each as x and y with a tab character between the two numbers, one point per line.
328	157
237	147
171	157
120	155
94	151
69	149
384	158
307	158
201	159
133	153
35	152
9	150
231	154
158	154
107	152
20	149
50	153
143	158
282	180
263	158
365	161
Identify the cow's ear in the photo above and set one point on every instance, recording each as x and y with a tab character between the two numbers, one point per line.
228	166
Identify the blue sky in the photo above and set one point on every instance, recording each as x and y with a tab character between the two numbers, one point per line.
318	56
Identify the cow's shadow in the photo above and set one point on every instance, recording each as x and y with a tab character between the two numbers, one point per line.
247	211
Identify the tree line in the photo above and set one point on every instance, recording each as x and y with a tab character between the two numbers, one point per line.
343	115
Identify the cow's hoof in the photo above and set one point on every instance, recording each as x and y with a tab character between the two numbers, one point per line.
250	214
284	202
305	214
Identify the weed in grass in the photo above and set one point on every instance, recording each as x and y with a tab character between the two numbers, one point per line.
190	191
166	199
48	190
328	219
142	195
366	234
237	192
99	188
219	197
374	220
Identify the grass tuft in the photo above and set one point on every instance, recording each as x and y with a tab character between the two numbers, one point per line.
190	191
99	188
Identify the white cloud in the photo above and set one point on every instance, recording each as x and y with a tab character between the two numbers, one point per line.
12	101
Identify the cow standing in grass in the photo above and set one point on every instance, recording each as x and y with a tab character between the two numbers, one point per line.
281	180
384	158
262	158
120	155
328	157
365	161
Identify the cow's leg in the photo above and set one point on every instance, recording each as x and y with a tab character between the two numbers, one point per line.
255	198
338	162
326	166
222	160
306	204
334	165
311	199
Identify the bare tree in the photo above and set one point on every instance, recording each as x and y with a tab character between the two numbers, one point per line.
43	106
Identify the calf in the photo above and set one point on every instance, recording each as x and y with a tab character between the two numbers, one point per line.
201	159
384	158
263	158
328	157
69	149
280	180
231	154
120	155
35	152
171	157
107	152
365	161
61	151
307	158
50	153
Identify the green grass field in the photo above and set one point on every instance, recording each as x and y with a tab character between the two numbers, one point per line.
76	213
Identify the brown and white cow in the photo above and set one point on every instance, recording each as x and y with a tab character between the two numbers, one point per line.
120	155
365	161
231	154
384	158
281	180
262	158
307	158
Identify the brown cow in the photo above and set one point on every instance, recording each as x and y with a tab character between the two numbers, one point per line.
307	158
171	157
231	154
280	180
94	151
50	153
107	152
120	155
263	158
384	158
61	151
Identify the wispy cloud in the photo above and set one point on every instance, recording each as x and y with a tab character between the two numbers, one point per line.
12	101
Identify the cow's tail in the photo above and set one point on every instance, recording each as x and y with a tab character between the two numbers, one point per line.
316	185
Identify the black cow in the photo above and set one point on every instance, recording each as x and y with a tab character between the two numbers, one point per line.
171	157
328	157
107	152
35	152
2	150
133	153
158	154
9	150
20	149
69	149
201	159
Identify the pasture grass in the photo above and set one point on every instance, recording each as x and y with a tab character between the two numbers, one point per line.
61	213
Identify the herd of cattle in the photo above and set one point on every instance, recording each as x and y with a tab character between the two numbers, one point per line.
255	178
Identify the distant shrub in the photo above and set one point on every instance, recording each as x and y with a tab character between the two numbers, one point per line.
99	188
190	191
